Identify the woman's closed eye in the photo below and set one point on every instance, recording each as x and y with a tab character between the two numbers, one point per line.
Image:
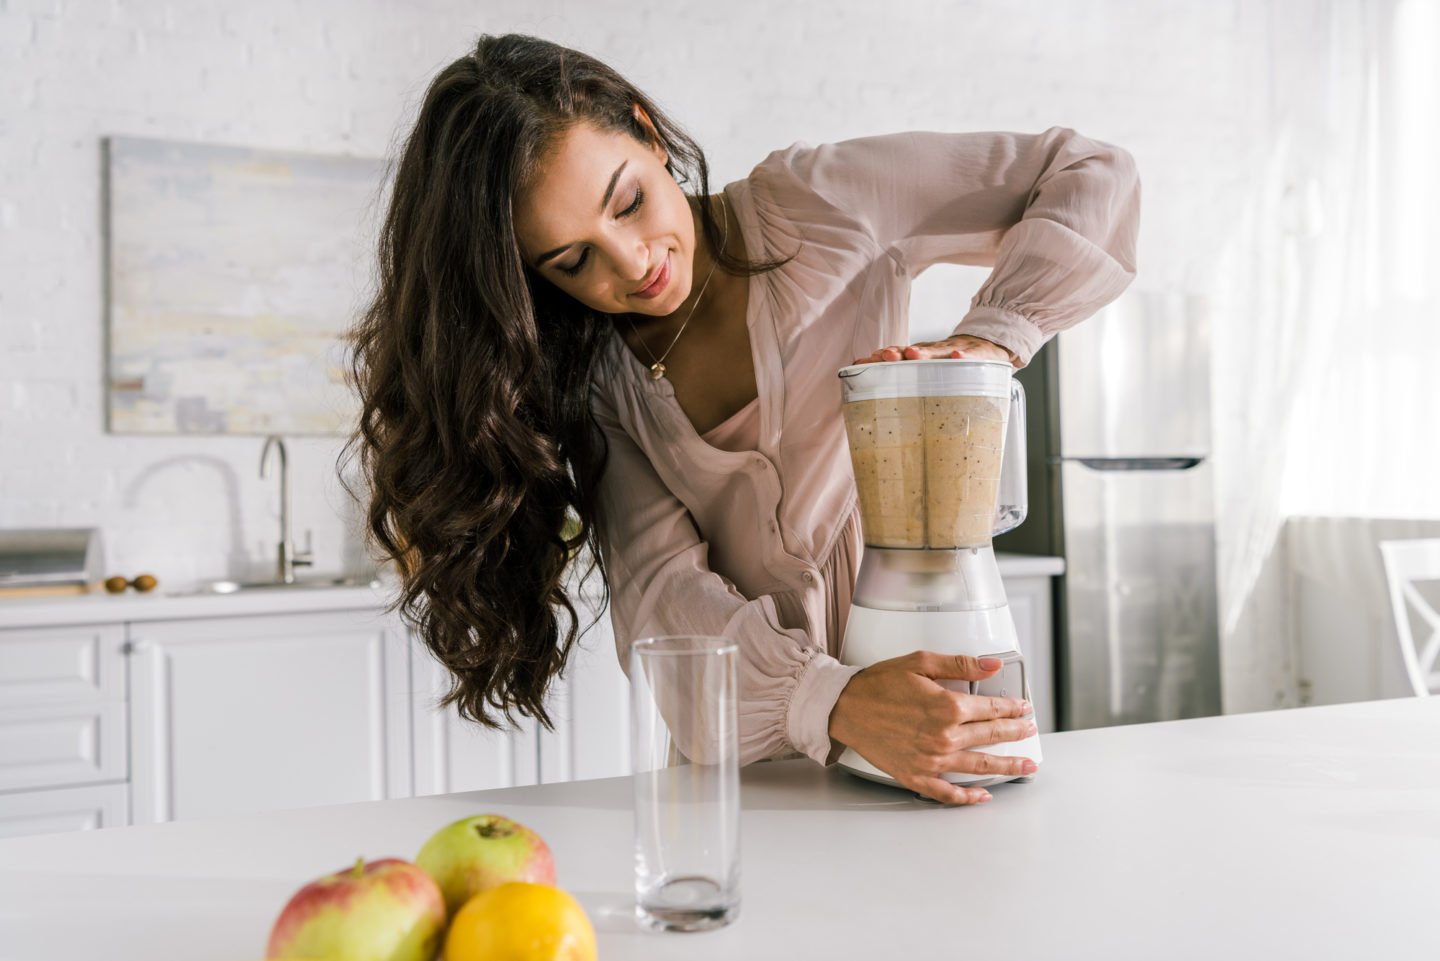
579	265
634	204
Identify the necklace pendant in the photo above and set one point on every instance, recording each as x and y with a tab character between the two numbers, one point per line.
657	370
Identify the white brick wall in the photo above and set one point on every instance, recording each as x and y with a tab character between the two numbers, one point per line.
1176	82
331	76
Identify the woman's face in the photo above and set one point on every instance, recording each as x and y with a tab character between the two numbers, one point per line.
605	222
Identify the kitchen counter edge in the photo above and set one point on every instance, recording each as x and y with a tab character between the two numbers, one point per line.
123	608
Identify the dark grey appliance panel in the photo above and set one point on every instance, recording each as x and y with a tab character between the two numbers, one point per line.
1139	596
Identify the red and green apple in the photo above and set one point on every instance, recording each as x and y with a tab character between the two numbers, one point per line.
386	910
478	853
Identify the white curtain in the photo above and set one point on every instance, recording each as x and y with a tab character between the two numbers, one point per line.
1367	441
1327	347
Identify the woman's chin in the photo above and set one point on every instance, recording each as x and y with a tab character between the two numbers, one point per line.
662	306
646	310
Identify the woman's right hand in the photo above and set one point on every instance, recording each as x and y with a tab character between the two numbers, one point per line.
898	717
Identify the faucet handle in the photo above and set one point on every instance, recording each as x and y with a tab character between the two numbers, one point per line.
305	558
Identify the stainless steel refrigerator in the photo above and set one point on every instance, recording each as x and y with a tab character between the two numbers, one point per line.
1121	487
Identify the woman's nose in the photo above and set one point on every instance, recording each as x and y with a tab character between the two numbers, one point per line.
634	263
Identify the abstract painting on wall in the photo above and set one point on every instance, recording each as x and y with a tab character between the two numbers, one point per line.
234	276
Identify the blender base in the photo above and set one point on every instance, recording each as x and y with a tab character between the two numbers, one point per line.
874	635
853	763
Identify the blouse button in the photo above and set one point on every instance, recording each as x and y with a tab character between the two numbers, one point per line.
807	577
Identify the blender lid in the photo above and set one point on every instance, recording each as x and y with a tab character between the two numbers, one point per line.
939	377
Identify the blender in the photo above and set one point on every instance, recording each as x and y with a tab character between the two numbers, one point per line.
938	448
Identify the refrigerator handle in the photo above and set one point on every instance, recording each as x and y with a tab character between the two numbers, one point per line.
1185	462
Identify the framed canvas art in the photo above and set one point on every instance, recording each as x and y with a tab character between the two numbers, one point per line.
233	278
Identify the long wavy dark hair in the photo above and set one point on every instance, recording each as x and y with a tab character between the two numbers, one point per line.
479	455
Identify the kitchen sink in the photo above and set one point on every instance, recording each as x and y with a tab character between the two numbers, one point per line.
308	582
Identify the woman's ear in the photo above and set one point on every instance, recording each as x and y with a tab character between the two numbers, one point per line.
658	148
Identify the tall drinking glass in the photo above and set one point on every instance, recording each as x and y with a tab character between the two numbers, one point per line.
686	750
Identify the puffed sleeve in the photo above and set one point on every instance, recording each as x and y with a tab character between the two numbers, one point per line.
661	583
1055	214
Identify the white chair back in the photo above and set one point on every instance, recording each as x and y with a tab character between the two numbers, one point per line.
1407	562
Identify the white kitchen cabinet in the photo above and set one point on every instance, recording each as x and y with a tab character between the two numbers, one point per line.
191	707
453	754
590	706
63	809
70	664
1030	607
46	745
62	706
246	714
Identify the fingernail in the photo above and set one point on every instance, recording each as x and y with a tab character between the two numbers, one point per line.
989	663
1031	728
984	798
1026	707
1029	767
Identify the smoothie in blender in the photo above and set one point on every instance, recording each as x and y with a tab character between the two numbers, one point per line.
927	468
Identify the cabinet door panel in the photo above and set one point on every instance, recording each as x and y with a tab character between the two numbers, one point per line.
63	809
453	754
591	709
258	713
62	706
53	664
48	745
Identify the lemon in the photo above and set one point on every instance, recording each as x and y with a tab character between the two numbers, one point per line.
521	921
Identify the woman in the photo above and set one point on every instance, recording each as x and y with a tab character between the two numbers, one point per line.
560	329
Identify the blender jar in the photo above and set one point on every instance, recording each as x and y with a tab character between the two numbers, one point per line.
938	448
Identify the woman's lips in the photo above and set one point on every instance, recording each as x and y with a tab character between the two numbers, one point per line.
657	286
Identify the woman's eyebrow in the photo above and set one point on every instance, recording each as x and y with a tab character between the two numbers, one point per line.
604	202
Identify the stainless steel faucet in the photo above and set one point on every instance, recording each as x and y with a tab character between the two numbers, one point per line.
287	558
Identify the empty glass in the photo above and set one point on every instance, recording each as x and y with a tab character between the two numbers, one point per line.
686	751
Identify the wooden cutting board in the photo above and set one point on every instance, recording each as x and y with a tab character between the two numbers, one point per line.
44	590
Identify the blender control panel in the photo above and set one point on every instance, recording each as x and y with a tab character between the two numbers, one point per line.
1009	681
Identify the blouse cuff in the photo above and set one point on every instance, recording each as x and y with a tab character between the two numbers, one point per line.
808	717
1007	328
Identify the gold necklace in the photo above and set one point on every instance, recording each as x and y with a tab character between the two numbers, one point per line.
657	369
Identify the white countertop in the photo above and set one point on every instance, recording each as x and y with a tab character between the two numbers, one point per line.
100	608
161	606
1310	833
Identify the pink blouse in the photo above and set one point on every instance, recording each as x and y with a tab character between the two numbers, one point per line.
739	432
760	540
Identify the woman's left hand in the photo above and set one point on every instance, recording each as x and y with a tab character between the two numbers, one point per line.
958	347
